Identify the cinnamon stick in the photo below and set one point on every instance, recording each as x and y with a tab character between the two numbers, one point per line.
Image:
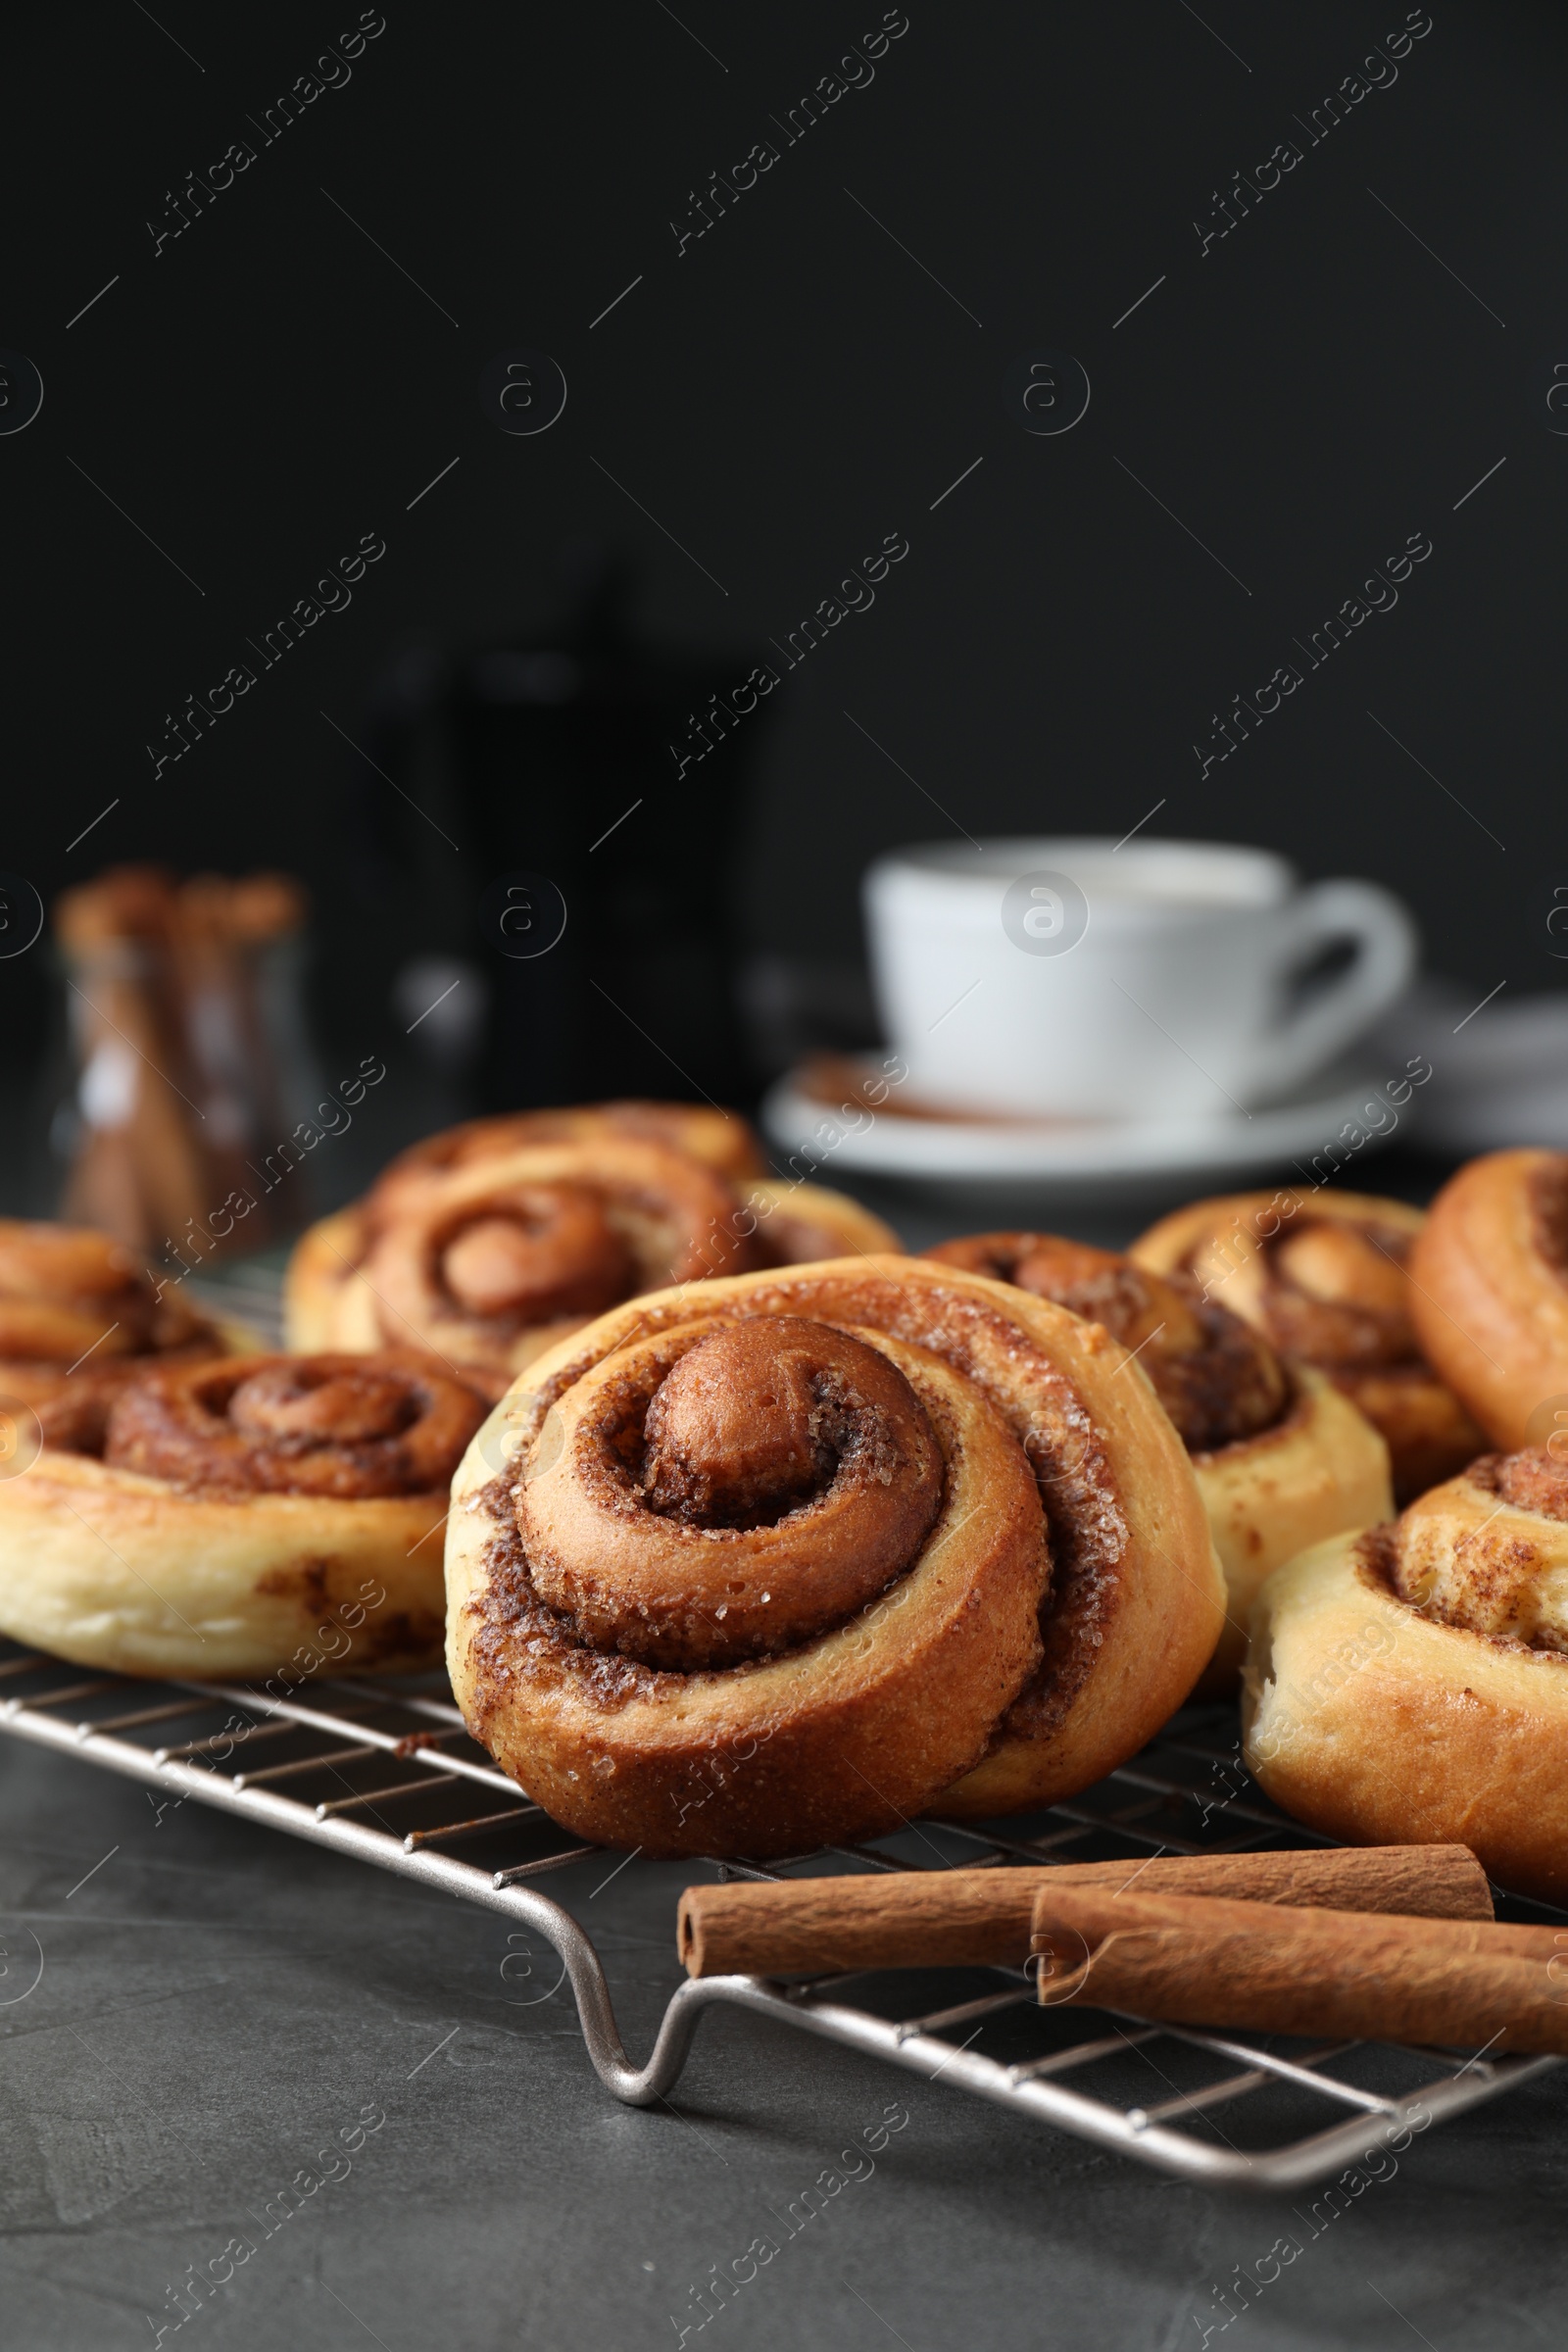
1201	1960
945	1918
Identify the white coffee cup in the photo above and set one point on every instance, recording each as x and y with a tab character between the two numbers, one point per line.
1151	980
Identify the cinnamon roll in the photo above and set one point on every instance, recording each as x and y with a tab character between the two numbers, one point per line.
1282	1458
790	1556
1410	1686
79	1315
493	1262
227	1512
1324	1276
1490	1293
720	1138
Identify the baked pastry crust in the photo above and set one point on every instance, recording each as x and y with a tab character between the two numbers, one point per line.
325	1303
1282	1458
798	1224
1410	1686
953	1688
1491	1301
1323	1276
587	1223
720	1138
596	1220
264	1536
1320	1470
80	1314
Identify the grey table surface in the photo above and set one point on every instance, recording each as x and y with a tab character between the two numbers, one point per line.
219	2002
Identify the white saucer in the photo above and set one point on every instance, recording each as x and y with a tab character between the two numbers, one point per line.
996	1158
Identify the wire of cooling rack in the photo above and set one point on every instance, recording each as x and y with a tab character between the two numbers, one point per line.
299	1766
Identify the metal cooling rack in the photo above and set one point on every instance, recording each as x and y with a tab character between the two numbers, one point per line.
388	1775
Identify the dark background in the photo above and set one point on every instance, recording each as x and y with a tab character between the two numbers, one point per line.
783	394
790	390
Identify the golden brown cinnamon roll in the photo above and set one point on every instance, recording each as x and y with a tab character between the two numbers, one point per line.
1282	1460
80	1314
1490	1293
495	1261
1324	1276
1410	1686
492	1264
788	1557
223	1513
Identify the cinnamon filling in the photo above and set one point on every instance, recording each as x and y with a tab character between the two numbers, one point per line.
1333	1290
349	1427
471	1262
306	1405
1336	1294
1218	1381
65	1292
534	1253
1487	1553
730	1492
1534	1481
1066	1468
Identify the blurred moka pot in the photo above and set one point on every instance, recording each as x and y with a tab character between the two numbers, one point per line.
589	762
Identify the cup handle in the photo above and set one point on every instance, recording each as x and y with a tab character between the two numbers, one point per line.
1387	943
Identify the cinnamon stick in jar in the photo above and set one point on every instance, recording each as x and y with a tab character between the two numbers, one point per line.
1204	1960
982	1917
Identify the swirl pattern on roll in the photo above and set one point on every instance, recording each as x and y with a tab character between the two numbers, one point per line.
1282	1458
343	1426
785	1472
1409	1684
510	1249
67	1294
495	1259
1325	1278
236	1514
1487	1553
1219	1381
80	1315
867	1524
